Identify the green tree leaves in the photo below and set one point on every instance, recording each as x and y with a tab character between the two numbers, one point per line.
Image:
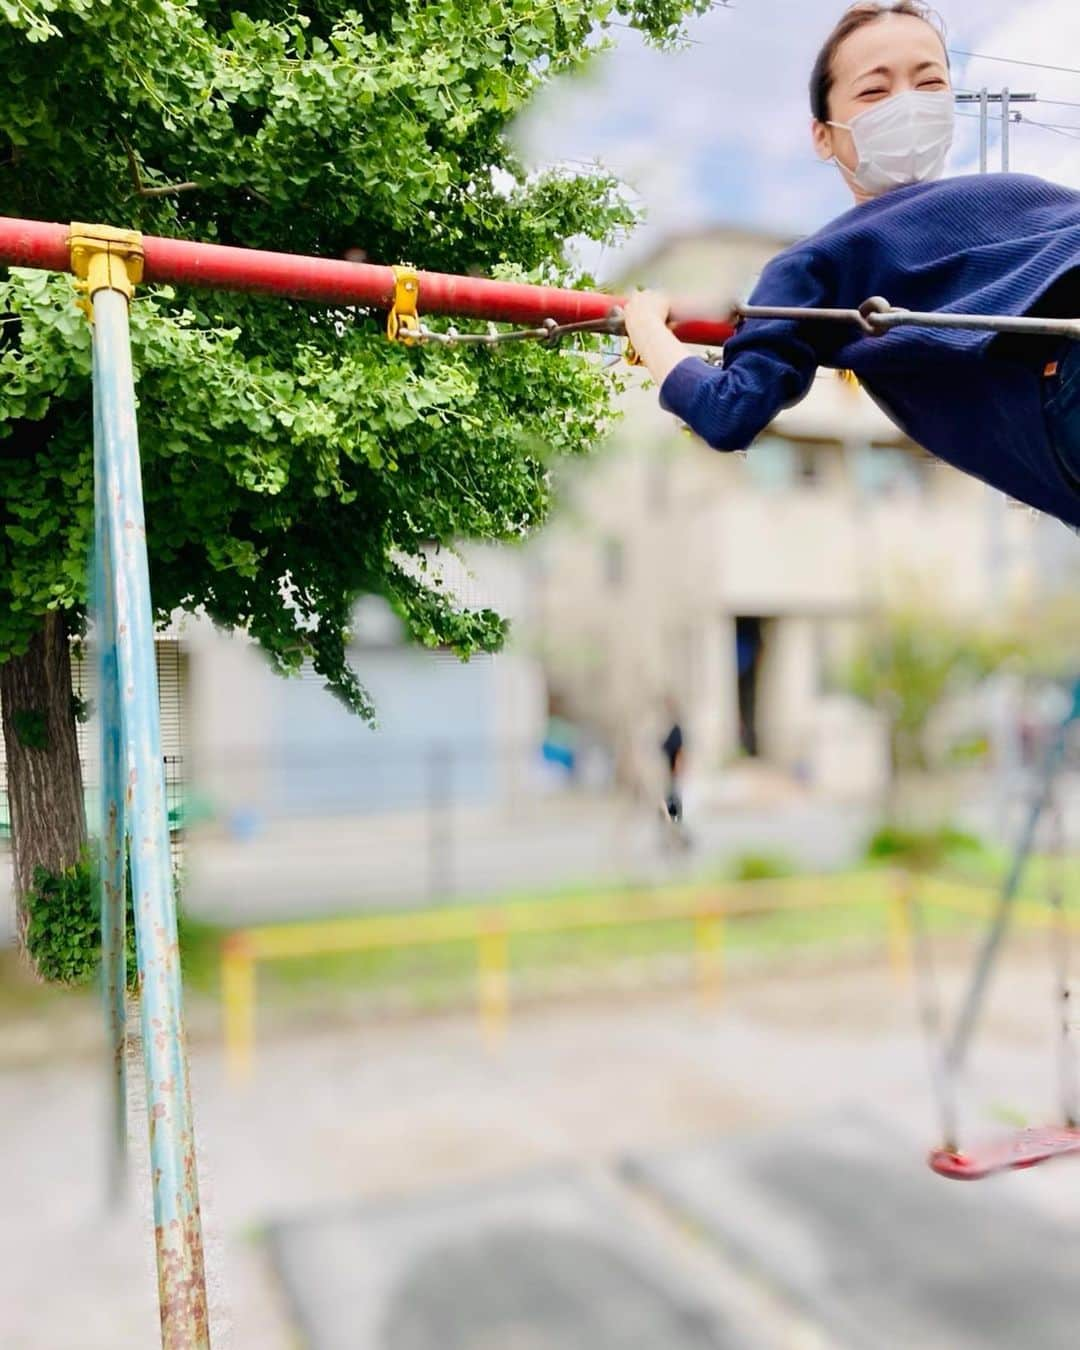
292	457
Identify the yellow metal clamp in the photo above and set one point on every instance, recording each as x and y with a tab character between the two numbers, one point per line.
105	258
403	321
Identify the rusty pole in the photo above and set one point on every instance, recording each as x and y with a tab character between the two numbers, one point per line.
110	262
112	858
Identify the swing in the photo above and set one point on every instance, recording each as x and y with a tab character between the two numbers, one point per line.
1028	1148
1031	1146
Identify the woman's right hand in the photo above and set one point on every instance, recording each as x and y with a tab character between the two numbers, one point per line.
643	313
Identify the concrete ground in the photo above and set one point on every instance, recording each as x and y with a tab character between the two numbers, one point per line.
301	867
357	1112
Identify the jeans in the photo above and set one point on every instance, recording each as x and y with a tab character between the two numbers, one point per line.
1061	405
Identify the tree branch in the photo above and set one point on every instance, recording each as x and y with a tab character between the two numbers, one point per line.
133	164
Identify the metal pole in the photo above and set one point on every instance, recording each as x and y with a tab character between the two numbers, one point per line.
177	1224
112	858
956	1050
984	126
1004	131
35	243
440	822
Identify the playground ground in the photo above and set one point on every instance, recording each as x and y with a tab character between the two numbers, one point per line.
377	1111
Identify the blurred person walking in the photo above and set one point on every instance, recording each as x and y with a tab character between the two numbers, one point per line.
673	748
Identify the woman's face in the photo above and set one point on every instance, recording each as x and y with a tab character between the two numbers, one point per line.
887	57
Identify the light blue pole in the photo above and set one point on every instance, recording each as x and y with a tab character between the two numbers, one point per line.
177	1224
111	860
957	1048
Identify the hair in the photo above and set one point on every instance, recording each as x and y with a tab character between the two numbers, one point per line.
858	16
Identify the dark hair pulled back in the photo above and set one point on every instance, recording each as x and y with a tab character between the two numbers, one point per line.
858	16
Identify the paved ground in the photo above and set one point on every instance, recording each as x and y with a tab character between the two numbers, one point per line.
876	1250
294	867
367	1113
353	864
319	866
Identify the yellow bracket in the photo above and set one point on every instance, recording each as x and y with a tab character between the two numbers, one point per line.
104	258
630	355
403	321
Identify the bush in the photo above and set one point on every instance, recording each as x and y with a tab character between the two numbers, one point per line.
921	848
761	867
63	936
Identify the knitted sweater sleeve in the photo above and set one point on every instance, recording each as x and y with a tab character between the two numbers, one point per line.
768	364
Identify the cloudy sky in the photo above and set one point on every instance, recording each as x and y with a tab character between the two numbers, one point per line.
718	133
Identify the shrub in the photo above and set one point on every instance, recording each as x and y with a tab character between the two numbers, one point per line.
922	848
761	867
63	935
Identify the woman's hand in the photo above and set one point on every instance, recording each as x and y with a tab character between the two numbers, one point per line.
644	313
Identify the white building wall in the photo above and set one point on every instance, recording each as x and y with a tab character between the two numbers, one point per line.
707	537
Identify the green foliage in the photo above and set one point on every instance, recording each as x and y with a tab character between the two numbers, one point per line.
64	930
909	662
923	849
31	727
970	749
761	867
292	457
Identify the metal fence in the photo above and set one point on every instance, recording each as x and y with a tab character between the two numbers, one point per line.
176	799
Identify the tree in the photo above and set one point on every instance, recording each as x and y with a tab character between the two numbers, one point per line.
909	661
292	457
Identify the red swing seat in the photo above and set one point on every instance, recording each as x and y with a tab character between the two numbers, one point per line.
1027	1148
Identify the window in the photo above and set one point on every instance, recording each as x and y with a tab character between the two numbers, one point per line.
887	470
807	461
770	464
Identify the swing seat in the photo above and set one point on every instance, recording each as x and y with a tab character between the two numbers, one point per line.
1027	1148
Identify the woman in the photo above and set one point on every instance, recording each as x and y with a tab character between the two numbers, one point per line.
1004	409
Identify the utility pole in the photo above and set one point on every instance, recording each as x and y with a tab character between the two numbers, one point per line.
996	545
985	99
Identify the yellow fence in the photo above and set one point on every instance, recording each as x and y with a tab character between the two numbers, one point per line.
492	930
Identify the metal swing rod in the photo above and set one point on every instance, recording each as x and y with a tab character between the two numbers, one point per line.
549	312
1030	1146
877	317
957	1047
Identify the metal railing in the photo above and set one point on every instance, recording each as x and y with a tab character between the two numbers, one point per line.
175	800
491	931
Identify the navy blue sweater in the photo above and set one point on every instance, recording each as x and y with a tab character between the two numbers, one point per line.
984	244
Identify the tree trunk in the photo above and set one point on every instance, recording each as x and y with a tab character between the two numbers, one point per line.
44	777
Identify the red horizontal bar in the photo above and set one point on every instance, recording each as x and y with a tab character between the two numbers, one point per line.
35	243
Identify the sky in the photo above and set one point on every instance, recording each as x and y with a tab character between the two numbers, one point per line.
718	133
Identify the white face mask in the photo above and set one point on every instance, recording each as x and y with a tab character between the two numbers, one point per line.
903	139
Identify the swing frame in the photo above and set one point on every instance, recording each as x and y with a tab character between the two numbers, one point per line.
108	263
1030	1146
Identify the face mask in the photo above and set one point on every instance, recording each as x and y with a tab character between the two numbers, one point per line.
903	139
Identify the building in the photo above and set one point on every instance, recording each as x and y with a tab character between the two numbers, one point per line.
736	584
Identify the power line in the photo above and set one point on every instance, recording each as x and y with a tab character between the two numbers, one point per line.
1058	103
1072	132
1019	119
1011	61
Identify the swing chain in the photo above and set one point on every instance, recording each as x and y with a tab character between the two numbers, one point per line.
942	1078
1059	954
404	324
548	334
